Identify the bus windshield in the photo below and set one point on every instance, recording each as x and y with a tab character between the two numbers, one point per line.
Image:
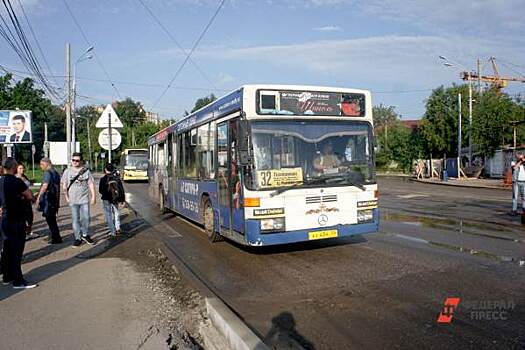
137	161
311	153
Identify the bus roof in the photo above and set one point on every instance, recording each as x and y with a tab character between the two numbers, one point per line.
233	102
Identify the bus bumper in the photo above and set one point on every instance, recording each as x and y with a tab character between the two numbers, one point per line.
254	237
137	176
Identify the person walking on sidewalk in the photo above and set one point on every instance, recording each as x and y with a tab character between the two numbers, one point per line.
28	206
14	194
112	191
48	199
79	190
518	182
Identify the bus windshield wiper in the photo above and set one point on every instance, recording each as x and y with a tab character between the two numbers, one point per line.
353	183
284	189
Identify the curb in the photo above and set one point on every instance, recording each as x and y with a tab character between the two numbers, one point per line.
393	175
231	327
441	183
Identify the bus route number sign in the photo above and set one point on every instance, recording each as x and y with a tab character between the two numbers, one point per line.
279	177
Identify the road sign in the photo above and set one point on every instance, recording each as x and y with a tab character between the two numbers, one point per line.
103	139
103	121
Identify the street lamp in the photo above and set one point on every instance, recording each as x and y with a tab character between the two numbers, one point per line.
84	57
449	63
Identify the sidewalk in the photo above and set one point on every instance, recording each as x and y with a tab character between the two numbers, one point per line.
118	294
475	183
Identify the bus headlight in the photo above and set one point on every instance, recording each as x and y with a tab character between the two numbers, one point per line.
365	215
273	224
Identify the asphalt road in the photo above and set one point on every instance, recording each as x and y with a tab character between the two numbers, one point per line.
382	290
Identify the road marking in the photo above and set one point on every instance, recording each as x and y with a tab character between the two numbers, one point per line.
409	196
174	233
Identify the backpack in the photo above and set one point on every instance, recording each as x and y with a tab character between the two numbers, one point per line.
115	189
53	190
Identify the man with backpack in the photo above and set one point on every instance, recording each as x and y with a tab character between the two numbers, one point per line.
79	190
112	191
48	199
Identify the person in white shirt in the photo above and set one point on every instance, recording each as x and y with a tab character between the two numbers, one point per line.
518	182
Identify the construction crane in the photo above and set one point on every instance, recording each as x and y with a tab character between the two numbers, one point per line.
496	80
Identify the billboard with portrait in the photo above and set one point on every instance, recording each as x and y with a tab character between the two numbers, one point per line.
15	127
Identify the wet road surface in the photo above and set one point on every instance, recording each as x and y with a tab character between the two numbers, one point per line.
381	290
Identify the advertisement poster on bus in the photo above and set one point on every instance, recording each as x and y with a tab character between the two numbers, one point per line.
15	127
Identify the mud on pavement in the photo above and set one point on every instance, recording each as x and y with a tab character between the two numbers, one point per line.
180	312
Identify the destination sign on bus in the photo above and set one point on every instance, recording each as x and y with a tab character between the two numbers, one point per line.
279	177
311	103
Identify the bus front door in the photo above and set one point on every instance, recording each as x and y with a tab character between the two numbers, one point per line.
229	178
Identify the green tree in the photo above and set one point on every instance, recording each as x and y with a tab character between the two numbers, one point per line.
439	127
384	115
130	112
88	114
491	120
203	101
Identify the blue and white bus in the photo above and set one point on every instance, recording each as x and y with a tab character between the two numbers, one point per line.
271	164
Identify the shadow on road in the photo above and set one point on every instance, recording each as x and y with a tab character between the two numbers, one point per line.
300	246
284	335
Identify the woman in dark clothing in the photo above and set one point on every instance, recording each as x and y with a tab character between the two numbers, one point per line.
28	208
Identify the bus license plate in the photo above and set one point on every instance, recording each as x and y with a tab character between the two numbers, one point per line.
322	234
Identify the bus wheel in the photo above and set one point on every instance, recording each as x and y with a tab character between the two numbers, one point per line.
209	220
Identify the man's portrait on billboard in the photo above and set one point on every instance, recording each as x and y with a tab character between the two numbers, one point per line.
18	125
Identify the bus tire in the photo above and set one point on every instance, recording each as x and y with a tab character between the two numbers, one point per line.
162	201
209	222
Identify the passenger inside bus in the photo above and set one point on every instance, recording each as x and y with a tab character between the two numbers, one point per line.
326	160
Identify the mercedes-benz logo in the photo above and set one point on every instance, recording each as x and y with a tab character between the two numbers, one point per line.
322	220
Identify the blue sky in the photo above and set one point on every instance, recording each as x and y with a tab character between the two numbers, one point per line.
390	47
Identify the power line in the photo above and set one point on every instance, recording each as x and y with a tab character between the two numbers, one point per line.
168	33
36	40
22	47
401	91
89	44
190	53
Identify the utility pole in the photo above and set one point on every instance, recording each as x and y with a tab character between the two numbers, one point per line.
459	136
479	76
68	102
110	136
89	144
469	120
46	142
73	116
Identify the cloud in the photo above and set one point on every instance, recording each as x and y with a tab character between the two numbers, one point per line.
380	60
328	29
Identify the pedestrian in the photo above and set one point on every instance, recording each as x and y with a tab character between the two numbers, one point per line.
112	191
48	199
79	190
28	207
14	193
518	183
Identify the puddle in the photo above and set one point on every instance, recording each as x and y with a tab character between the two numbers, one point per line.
456	226
461	249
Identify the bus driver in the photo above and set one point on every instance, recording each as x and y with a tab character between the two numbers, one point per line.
327	159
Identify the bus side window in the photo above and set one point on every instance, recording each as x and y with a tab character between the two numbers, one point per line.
190	155
205	147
